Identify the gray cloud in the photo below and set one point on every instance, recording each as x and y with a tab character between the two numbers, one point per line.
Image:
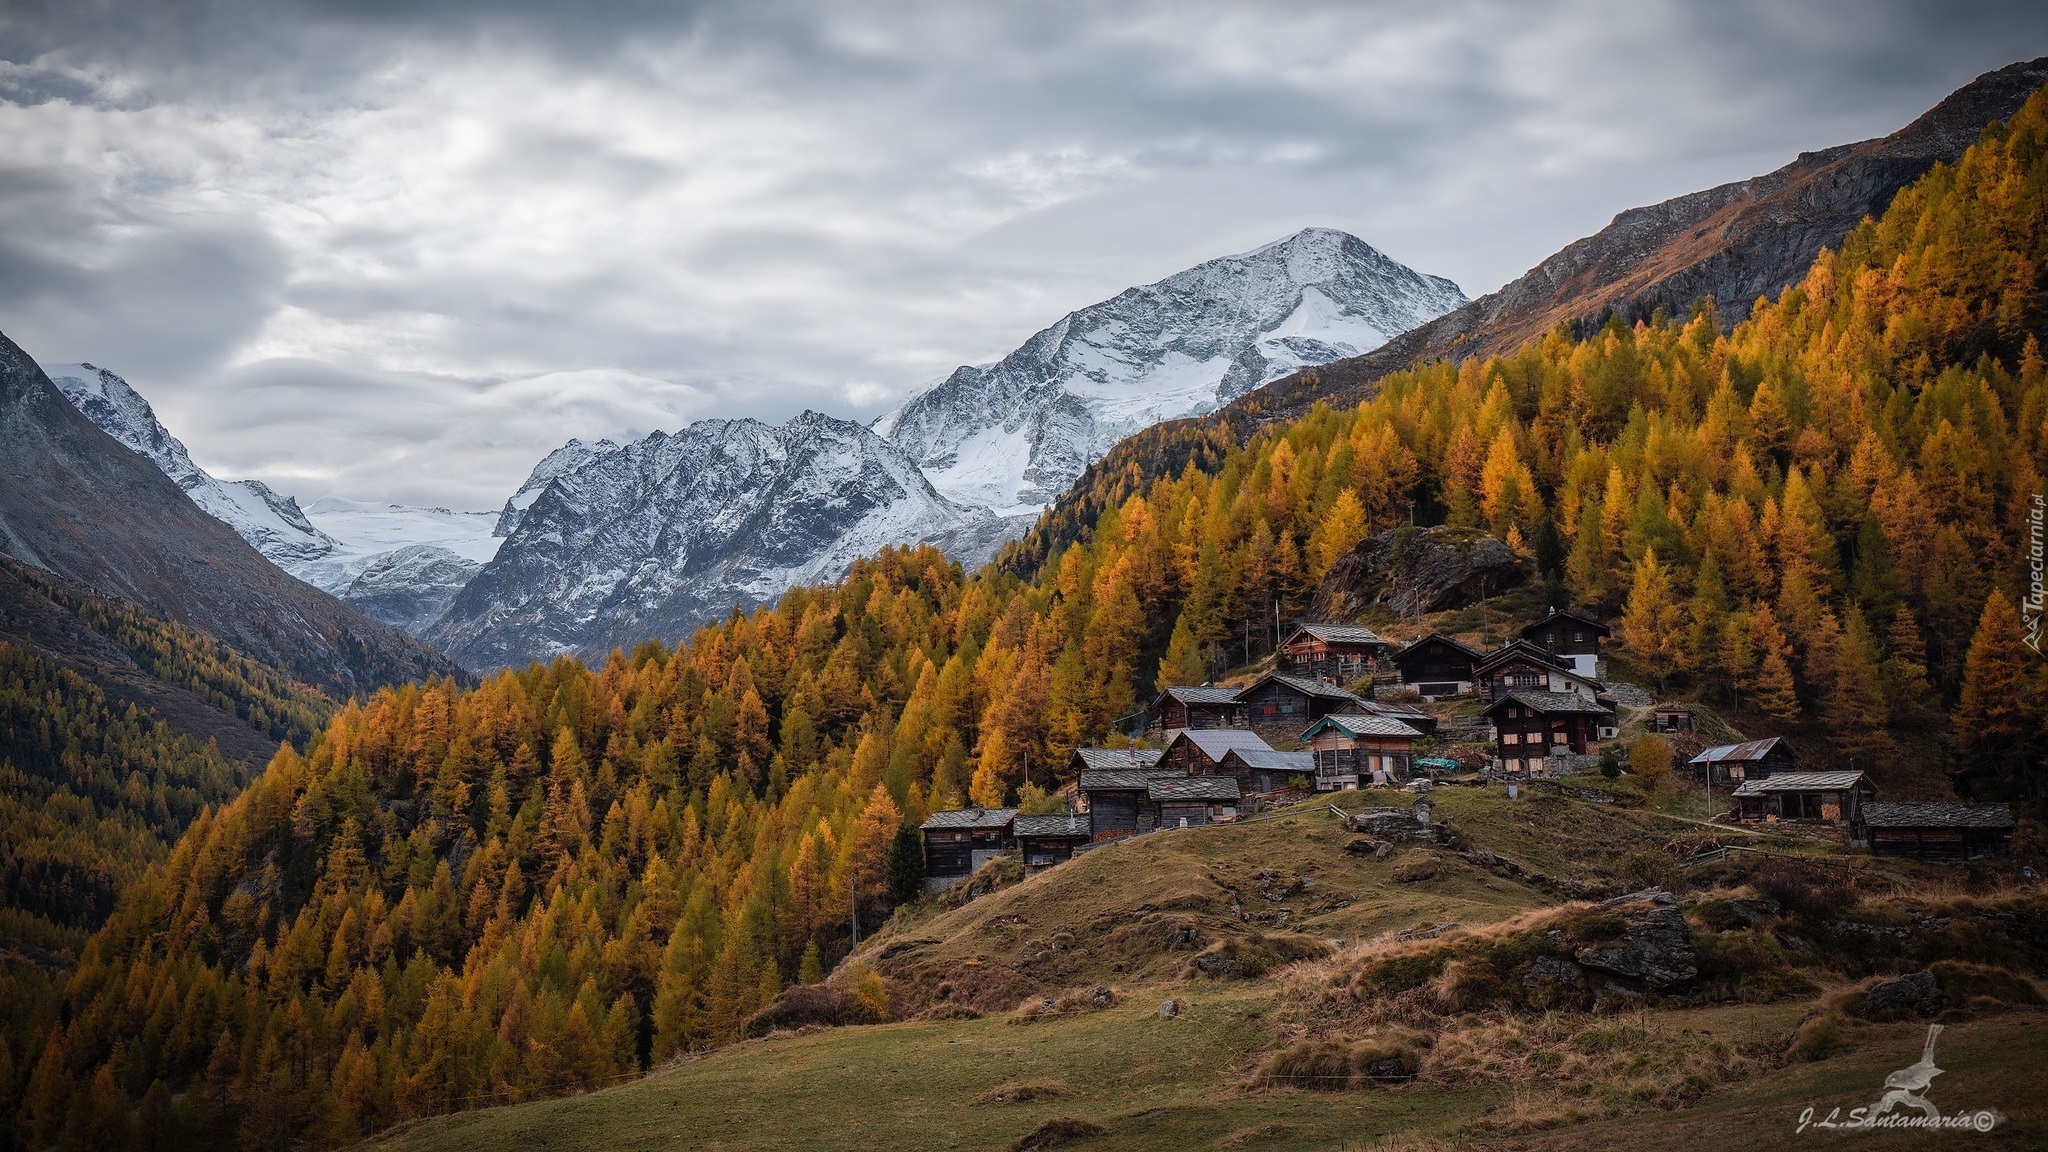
400	250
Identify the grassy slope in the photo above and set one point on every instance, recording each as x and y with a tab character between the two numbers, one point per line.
1182	1082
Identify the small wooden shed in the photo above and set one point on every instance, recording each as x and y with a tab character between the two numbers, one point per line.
1749	760
1810	797
1353	750
958	842
1266	770
1188	801
1050	839
1941	831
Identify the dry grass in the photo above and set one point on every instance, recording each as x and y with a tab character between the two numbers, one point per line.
1057	1131
1071	1002
1023	1093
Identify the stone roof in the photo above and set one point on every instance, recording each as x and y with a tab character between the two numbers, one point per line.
1467	649
1134	758
1206	694
1746	752
1341	633
1524	650
1114	780
1321	689
1194	788
1802	782
1550	703
1216	743
1056	824
1878	814
970	818
1561	614
1268	760
1395	709
1368	725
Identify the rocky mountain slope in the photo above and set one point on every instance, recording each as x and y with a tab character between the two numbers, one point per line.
1733	243
653	538
78	503
398	564
1011	436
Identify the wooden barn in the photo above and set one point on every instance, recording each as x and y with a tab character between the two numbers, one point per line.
1947	832
1048	840
958	842
1352	751
1671	718
1114	799
1530	727
1180	706
1749	760
1189	801
1088	759
1292	703
1338	652
1437	666
1269	771
1200	751
1573	637
1810	797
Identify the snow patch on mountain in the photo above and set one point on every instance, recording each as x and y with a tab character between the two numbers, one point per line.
561	461
1012	435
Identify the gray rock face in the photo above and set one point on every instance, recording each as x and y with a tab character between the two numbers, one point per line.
1016	433
1436	569
409	588
1654	952
654	538
1914	994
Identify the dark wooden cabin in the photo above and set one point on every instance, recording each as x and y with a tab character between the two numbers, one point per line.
1946	831
1530	727
1115	800
1749	760
1292	703
1352	751
1571	636
1090	759
1437	666
1181	706
1333	651
1189	801
1048	840
1811	797
1671	718
1269	771
1200	751
958	842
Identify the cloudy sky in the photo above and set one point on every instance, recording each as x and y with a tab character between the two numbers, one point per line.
398	250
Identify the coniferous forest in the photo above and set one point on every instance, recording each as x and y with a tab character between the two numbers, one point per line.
445	898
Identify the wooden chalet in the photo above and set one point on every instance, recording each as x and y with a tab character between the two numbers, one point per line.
1749	760
1574	638
1531	726
1291	703
1269	771
1671	718
1200	751
1090	759
1048	840
1181	706
1437	666
1333	651
1188	801
1814	797
1947	832
1114	799
1353	750
958	842
1520	665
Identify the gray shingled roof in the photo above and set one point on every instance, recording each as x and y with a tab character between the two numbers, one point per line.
1550	703
1215	743
1461	646
1396	709
1318	688
1057	824
1108	758
1268	760
1524	650
1206	694
1801	782
1366	725
1879	814
1194	788
1745	752
1556	614
1114	780
971	818
1342	633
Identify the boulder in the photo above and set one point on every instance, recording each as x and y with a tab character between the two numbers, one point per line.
1413	570
1654	951
1914	994
1418	868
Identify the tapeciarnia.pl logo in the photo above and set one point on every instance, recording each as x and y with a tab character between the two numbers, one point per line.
1905	1103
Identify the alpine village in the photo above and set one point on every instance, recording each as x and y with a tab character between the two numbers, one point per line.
1625	727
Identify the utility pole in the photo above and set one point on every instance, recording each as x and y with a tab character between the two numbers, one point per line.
852	901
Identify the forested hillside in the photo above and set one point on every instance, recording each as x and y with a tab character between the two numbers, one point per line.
456	898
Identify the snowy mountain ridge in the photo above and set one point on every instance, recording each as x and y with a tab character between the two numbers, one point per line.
1013	435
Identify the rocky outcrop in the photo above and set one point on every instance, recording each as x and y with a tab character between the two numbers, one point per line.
1653	952
1418	570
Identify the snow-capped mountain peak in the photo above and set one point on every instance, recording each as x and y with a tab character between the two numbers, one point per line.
1013	435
